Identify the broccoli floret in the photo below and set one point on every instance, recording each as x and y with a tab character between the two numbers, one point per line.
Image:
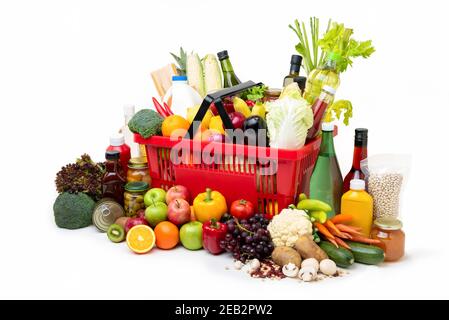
73	210
147	123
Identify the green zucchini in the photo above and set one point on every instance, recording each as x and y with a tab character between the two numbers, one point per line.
341	256
366	254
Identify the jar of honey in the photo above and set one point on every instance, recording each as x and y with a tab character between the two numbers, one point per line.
138	170
389	232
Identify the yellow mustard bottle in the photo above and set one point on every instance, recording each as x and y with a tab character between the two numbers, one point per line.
358	204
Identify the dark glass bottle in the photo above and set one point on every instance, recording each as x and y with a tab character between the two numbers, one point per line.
326	182
113	182
295	65
229	77
360	153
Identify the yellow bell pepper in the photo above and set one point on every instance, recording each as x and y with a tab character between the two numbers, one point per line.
208	205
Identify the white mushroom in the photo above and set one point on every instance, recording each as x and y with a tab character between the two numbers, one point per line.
238	264
307	274
290	270
254	265
328	267
311	262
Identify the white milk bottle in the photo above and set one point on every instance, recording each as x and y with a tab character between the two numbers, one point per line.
182	96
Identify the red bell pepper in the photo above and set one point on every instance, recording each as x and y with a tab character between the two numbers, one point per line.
213	233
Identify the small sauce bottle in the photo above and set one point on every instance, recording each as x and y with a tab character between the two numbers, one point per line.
358	204
319	108
117	142
113	182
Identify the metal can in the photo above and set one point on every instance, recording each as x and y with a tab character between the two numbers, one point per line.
134	194
106	212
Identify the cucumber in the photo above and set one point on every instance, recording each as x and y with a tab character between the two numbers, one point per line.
366	254
341	256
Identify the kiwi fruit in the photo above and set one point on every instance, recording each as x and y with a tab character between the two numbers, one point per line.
116	233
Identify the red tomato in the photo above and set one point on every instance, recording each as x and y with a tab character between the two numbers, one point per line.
242	209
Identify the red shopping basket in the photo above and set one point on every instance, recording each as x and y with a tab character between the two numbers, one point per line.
269	178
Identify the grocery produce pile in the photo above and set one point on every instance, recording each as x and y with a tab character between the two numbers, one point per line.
332	222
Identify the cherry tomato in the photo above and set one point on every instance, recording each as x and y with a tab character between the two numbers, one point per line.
242	209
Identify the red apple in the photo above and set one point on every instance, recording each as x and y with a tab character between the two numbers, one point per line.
177	192
179	211
132	222
141	213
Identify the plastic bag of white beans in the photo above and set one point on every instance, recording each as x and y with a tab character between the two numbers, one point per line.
386	175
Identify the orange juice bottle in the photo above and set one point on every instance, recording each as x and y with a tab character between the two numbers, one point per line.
358	204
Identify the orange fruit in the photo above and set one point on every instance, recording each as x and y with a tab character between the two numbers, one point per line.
167	235
140	239
174	125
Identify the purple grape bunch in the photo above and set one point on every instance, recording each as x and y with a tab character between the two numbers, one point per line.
248	239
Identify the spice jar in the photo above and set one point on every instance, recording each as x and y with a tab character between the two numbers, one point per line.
138	170
389	232
134	194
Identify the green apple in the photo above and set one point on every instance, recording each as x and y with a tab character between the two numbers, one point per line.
191	235
154	195
156	212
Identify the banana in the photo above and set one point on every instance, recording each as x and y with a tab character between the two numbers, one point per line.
313	205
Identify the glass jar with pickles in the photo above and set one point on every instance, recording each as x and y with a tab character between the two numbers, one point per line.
134	194
138	170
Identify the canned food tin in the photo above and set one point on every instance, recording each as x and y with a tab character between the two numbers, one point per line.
106	212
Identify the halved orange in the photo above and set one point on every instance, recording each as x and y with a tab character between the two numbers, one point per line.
140	239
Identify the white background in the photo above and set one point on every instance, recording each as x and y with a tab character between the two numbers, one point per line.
68	67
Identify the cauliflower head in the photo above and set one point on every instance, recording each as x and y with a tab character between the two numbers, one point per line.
286	227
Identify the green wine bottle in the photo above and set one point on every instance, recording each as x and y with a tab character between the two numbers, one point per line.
326	182
229	77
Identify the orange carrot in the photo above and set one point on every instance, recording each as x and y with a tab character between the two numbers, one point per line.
342	243
366	240
331	227
345	235
333	241
341	218
322	229
348	229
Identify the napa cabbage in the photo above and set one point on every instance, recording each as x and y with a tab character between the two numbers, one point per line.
288	120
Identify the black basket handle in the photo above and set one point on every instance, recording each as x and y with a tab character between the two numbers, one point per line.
217	99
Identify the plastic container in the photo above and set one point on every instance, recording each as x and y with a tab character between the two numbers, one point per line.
117	143
134	193
182	96
386	175
128	112
358	204
271	183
